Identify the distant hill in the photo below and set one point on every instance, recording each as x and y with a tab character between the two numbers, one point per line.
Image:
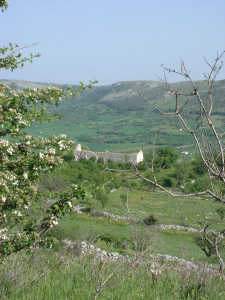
115	117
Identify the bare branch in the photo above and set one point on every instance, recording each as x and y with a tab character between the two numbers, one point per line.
204	132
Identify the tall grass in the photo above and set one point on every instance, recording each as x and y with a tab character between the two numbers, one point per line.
64	275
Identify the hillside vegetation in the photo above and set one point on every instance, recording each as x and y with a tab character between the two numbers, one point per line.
64	272
123	230
116	117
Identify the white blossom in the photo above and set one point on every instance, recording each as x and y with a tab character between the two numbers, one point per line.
51	151
61	145
53	221
41	154
4	143
10	150
17	213
70	204
3	198
3	235
25	175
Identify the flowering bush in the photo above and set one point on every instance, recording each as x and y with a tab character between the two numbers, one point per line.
23	158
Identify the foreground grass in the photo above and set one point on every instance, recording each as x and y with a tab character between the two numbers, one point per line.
59	273
63	275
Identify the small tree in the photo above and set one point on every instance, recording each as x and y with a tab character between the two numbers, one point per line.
204	245
192	113
24	157
213	240
101	196
125	200
165	157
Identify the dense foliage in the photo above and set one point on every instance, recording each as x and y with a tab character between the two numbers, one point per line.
24	157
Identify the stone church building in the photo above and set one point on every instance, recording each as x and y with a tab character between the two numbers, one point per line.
133	158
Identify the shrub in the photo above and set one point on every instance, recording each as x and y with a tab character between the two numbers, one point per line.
102	197
108	238
168	182
166	157
200	184
199	167
150	220
24	158
221	212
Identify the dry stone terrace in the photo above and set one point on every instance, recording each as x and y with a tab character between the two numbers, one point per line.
157	262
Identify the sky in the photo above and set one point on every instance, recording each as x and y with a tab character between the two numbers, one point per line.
113	40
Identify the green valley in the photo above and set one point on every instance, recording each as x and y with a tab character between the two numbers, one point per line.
116	117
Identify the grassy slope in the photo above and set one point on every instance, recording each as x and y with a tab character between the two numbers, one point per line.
168	210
